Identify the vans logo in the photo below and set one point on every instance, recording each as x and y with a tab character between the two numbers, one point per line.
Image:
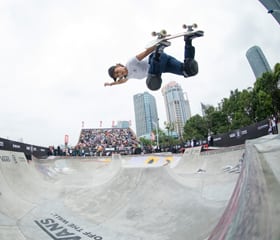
56	231
58	228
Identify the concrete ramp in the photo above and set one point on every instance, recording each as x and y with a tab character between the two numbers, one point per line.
213	174
253	211
228	194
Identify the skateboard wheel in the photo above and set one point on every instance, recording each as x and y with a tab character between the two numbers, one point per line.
163	32
153	33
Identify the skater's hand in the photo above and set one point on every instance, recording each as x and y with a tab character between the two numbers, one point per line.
107	84
119	81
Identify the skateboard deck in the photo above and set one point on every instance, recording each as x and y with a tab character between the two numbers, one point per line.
163	36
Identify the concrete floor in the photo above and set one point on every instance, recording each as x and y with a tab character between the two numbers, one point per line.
157	197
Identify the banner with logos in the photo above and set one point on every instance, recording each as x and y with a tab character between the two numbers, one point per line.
27	149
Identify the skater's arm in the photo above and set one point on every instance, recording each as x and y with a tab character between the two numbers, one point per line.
145	53
120	81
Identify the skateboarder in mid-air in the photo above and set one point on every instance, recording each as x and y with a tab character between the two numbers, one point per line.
158	62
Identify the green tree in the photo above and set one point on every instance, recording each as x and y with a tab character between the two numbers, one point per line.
264	107
241	109
145	142
266	86
169	126
217	121
195	128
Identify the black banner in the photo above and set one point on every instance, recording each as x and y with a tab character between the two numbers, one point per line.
28	149
239	136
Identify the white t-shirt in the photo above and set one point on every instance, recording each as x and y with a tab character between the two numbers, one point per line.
137	69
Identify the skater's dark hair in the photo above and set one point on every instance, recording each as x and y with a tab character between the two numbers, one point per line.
111	71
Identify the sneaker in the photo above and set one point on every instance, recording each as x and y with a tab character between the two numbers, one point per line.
165	43
161	45
193	35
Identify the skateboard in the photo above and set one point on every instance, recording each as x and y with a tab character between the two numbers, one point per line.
164	36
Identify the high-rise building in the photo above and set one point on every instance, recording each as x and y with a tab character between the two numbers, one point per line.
273	7
122	124
146	116
204	107
177	106
257	61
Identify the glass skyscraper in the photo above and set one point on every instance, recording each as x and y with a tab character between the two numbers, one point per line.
146	116
123	124
176	105
257	61
273	5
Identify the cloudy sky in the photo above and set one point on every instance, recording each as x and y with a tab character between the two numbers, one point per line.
55	55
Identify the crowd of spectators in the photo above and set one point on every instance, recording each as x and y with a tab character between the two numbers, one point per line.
273	124
105	141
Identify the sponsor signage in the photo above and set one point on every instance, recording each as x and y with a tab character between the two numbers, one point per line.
59	228
239	136
16	146
5	158
27	149
15	157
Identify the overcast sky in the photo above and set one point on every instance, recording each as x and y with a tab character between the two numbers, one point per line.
55	55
